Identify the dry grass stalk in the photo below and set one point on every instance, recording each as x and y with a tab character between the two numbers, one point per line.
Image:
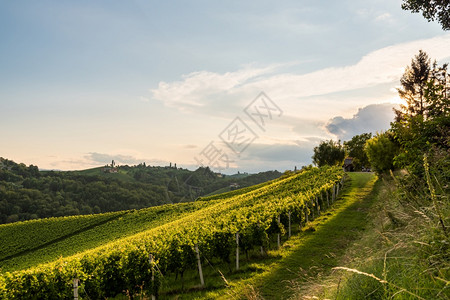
433	193
379	280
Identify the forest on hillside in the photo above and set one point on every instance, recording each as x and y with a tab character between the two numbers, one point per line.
27	193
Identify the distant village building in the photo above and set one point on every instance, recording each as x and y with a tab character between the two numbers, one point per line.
348	164
110	168
234	186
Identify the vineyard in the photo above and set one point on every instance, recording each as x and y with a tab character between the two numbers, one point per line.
42	232
133	250
35	242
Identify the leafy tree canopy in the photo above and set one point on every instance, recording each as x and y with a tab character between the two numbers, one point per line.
432	10
328	153
355	149
381	150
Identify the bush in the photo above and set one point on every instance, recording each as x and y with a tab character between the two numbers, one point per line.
381	151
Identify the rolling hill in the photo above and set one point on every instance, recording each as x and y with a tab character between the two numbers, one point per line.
27	193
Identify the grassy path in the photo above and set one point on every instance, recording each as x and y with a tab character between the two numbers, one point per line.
313	253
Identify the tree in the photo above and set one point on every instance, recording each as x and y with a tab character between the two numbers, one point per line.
328	153
414	83
431	10
437	92
381	150
424	121
355	149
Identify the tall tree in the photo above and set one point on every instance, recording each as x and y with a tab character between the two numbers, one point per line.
328	153
414	82
431	10
425	87
424	122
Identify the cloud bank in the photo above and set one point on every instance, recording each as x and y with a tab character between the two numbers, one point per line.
121	159
369	119
201	91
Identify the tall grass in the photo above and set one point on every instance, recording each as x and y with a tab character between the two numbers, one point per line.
410	253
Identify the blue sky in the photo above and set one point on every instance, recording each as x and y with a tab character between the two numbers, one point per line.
84	82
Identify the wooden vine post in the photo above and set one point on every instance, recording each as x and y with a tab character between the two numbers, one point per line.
150	259
312	209
300	222
334	193
75	288
318	207
262	249
200	271
279	235
328	200
237	250
289	231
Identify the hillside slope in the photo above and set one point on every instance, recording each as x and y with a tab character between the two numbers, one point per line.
27	193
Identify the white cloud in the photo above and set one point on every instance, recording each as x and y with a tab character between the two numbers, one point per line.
198	88
384	17
201	91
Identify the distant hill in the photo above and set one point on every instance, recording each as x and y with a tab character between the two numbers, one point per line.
27	193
